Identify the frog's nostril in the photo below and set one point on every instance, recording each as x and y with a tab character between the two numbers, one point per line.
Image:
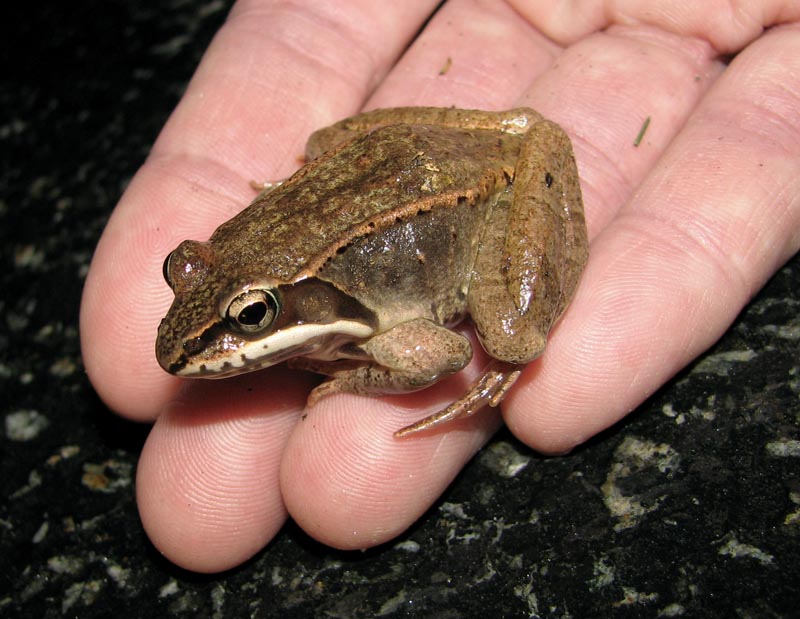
193	346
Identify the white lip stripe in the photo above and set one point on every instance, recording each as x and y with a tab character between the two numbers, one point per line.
258	352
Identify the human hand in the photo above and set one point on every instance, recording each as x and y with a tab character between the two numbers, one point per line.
685	228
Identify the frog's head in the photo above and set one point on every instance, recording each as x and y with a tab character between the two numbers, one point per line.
225	320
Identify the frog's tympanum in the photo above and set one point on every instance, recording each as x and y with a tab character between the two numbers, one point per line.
402	223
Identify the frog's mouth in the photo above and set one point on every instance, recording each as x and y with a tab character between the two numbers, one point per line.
227	367
322	342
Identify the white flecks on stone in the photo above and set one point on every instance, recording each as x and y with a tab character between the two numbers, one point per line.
672	610
695	412
454	509
736	549
28	257
604	574
789	331
34	481
393	604
169	589
218	601
502	458
794	379
107	477
408	545
722	363
66	564
118	574
631	596
631	456
84	592
489	572
793	518
171	47
669	410
25	425
68	451
41	532
784	448
60	368
526	593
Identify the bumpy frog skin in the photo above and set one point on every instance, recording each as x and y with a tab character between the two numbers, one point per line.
403	222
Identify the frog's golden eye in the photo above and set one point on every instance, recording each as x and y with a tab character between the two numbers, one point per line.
253	310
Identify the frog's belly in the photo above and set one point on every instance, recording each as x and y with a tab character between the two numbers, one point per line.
418	269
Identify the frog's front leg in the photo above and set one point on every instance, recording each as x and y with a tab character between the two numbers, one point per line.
408	357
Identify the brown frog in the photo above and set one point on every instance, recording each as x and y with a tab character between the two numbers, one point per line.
403	222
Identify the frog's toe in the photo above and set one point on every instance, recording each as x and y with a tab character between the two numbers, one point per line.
489	389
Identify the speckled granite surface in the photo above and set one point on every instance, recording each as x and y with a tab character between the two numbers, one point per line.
690	508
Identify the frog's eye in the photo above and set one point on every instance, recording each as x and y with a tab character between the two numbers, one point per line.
187	265
165	269
253	310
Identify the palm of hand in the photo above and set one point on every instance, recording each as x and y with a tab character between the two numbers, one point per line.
685	228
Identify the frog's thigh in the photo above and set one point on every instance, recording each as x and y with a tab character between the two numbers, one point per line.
505	332
523	273
546	179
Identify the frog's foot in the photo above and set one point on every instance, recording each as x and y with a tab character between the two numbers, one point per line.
489	389
329	387
331	369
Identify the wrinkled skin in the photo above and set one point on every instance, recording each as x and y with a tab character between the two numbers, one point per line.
695	220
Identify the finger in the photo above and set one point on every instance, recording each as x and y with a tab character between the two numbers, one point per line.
728	26
606	88
717	216
471	54
298	60
233	125
350	484
207	484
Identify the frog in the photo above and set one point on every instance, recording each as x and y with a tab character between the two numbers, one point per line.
402	223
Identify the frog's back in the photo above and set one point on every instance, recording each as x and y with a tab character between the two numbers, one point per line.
365	187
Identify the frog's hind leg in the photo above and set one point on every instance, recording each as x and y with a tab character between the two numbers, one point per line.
514	121
546	179
532	251
489	389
